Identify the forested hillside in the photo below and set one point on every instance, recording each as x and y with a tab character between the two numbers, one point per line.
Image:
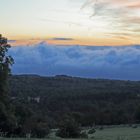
88	101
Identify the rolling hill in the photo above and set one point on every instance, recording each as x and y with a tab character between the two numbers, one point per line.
89	101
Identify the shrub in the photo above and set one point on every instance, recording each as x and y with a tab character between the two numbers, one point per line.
91	131
36	128
40	131
134	126
101	128
68	128
84	135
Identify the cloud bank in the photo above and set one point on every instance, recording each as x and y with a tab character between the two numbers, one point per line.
84	61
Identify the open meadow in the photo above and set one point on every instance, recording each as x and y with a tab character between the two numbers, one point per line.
120	133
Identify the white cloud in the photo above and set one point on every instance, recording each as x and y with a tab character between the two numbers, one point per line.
85	61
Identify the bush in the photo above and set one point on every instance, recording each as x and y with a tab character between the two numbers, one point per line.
7	120
36	128
134	126
68	128
40	131
84	135
101	128
91	131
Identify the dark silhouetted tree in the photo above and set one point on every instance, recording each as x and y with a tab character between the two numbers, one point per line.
68	128
7	119
5	62
36	127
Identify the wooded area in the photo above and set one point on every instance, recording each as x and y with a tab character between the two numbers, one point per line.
89	101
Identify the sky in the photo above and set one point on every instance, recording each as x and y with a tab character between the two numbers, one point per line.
82	22
84	38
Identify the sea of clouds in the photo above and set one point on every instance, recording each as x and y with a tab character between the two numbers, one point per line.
82	61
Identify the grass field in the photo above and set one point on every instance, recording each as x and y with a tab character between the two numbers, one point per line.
122	133
114	133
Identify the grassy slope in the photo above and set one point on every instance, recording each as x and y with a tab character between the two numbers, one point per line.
115	133
124	133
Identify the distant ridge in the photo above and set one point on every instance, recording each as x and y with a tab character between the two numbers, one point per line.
68	76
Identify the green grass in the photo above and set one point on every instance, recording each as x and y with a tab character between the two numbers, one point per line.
115	133
120	133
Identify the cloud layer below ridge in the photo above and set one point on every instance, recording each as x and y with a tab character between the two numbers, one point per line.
84	61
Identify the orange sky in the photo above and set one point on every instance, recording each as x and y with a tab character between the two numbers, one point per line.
86	22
